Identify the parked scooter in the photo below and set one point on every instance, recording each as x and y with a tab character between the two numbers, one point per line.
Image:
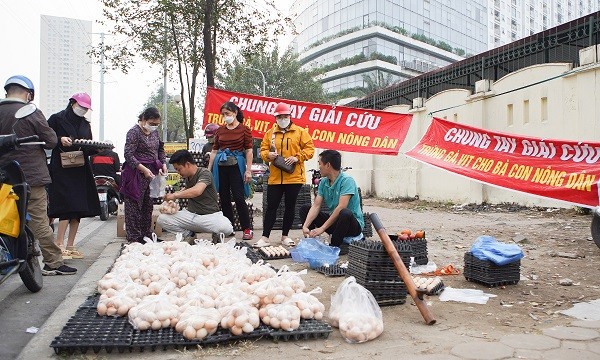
108	194
18	251
316	178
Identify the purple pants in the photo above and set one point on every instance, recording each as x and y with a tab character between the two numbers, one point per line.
138	217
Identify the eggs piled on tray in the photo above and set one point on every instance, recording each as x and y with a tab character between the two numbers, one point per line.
92	143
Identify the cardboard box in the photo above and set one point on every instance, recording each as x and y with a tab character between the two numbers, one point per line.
121	232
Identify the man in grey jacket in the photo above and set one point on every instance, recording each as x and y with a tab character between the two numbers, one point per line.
19	116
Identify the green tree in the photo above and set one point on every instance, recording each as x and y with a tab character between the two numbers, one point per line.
175	131
194	35
283	76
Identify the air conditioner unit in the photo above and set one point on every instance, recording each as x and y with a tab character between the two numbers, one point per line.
483	86
418	102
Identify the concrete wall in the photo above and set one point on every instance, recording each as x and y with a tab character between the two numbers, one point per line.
565	107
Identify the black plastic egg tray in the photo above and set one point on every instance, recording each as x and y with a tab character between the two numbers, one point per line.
251	253
166	338
309	329
418	247
487	273
85	144
332	270
385	292
380	274
373	250
91	302
87	331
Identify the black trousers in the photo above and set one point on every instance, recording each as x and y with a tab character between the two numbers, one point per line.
345	225
274	195
231	183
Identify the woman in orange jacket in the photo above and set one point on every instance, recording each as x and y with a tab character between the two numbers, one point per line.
295	145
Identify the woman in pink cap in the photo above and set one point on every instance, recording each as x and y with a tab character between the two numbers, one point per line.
73	192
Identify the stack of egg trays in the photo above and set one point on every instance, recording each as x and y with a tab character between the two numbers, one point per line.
236	218
369	261
372	267
368	229
86	330
487	273
309	329
303	199
418	246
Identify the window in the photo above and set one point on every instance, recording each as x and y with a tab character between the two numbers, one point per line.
544	109
509	115
525	112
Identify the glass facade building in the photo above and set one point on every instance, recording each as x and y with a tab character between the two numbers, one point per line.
389	41
510	20
386	40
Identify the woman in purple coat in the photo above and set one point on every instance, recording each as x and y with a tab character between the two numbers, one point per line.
144	159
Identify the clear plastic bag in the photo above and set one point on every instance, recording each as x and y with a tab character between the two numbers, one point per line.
317	253
356	312
158	186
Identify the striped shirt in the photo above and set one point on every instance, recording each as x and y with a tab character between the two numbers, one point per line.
239	138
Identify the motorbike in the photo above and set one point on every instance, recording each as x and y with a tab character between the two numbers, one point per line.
316	178
19	253
108	194
258	172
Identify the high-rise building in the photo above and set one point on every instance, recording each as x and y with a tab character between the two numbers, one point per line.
510	20
65	66
358	43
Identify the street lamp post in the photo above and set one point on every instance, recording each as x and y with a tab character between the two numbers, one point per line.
263	78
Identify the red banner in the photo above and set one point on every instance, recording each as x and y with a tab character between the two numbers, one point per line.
331	127
556	169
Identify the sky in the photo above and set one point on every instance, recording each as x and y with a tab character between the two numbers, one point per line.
124	94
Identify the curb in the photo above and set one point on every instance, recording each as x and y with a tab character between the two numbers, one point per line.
39	346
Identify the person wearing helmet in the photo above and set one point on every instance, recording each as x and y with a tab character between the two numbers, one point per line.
107	163
18	116
295	145
73	192
209	134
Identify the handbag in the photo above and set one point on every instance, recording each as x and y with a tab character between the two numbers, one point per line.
70	159
279	161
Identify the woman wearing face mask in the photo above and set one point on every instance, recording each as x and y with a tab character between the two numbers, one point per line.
230	162
72	193
295	145
144	159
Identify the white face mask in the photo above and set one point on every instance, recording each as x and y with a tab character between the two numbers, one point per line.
79	111
228	119
283	122
150	128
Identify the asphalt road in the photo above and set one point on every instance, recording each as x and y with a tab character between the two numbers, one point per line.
21	309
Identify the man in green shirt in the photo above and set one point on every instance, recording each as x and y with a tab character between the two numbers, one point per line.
202	214
339	192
